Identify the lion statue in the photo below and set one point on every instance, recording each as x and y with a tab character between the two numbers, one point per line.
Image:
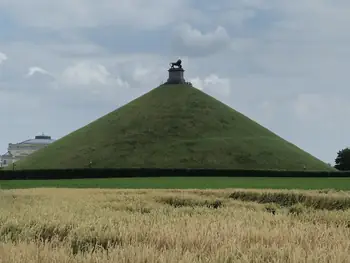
177	63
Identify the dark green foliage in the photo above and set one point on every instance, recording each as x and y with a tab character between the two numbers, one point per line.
173	126
10	232
272	208
342	162
291	199
188	202
90	244
90	173
296	209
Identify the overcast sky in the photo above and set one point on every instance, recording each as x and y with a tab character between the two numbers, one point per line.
282	63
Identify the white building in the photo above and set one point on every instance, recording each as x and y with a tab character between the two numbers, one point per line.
20	150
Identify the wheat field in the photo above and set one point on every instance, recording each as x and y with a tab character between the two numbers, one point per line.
92	225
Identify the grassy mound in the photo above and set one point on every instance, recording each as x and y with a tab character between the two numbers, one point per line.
173	126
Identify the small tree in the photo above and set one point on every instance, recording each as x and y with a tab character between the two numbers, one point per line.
342	162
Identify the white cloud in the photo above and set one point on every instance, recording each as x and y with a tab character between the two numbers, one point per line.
91	13
192	41
36	70
140	73
237	17
213	84
197	83
3	58
93	78
148	76
86	73
194	37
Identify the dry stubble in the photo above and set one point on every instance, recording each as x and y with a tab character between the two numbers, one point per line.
71	225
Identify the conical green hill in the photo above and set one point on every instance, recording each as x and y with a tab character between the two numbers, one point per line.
173	126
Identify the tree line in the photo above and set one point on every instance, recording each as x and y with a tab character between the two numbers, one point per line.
342	162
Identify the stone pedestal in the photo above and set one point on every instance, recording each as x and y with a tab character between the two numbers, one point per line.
176	76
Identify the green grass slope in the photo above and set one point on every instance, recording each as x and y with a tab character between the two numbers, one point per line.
173	126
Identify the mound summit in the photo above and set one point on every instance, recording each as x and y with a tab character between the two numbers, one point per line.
173	126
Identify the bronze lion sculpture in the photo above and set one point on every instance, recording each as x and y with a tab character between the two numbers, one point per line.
177	63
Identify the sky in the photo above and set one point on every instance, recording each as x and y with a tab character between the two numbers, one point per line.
283	63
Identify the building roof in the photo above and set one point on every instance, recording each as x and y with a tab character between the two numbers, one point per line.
8	154
40	139
37	141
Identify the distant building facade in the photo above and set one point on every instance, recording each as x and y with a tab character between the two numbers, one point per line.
18	151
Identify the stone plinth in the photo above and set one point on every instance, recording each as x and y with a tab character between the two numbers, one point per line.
176	76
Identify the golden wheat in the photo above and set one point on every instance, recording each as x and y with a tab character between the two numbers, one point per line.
76	225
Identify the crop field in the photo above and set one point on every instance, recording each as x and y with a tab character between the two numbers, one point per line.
187	183
231	225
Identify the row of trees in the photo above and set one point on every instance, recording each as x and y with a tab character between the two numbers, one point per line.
342	162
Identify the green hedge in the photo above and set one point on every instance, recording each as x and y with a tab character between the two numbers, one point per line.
142	172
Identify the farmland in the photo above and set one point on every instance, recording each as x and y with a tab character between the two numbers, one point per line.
227	225
187	183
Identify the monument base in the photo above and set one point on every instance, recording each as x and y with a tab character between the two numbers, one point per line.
176	76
